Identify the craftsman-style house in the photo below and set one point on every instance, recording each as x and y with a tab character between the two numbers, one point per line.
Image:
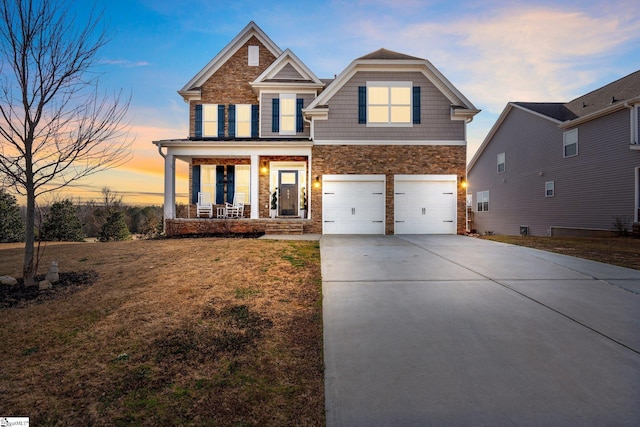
380	149
559	168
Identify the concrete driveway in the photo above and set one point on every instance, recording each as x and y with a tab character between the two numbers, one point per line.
453	330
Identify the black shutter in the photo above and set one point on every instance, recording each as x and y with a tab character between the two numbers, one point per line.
255	115
219	185
362	104
416	105
275	115
198	124
232	121
231	186
195	183
299	121
220	121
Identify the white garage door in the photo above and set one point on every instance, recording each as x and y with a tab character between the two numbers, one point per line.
353	204
425	204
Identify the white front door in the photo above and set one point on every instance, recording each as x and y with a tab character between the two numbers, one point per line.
353	204
425	204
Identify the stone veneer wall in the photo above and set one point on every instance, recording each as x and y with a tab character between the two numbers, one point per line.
389	160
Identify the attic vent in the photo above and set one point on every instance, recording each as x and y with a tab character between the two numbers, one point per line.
254	56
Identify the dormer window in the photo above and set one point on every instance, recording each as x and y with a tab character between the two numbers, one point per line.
254	56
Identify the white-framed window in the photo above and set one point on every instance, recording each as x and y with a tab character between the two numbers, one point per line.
243	120
389	103
501	163
254	56
483	201
570	143
242	181
549	189
287	113
210	120
208	180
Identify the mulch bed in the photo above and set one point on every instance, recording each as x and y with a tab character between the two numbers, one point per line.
69	283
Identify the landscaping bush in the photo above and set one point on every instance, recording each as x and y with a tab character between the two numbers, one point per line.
115	228
62	223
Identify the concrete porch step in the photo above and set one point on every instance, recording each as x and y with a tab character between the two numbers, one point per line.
284	227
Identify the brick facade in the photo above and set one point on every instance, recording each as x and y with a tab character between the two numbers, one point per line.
389	160
230	83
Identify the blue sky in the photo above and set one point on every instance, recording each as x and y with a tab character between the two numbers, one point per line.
493	51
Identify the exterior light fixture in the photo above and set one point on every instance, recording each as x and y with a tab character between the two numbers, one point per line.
264	168
316	182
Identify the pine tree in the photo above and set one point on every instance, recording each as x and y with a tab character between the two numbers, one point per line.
11	224
62	223
114	228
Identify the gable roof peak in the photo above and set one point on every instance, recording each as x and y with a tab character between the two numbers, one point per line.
386	54
250	30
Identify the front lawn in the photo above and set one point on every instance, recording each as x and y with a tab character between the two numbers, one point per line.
171	332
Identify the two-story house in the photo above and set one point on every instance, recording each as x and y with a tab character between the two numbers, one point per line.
561	168
379	149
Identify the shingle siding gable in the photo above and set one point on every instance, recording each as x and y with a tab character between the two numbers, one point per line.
435	117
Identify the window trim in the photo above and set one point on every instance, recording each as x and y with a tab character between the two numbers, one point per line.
389	85
503	162
482	201
238	121
550	186
281	129
565	136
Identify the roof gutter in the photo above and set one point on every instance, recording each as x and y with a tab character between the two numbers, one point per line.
164	156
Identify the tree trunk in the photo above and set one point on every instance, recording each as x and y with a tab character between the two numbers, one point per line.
28	266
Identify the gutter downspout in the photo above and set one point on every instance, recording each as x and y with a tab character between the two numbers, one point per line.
160	150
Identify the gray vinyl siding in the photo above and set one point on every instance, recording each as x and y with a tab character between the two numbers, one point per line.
435	116
591	189
288	73
266	108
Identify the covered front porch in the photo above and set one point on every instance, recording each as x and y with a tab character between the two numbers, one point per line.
271	178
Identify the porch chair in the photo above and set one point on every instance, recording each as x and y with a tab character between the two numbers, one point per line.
235	210
204	205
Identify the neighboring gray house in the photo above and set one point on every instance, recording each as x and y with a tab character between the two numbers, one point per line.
560	168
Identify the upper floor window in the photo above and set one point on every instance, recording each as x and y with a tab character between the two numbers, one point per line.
210	120
243	120
254	56
501	163
483	201
570	143
287	113
549	189
388	103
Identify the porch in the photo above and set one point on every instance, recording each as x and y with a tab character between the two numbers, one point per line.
212	226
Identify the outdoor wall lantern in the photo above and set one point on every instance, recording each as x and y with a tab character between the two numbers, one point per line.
316	182
264	169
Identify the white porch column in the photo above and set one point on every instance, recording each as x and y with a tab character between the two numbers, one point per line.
255	191
169	186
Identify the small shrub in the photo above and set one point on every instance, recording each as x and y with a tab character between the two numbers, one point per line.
62	223
114	229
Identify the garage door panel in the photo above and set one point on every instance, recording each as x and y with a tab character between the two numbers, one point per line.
353	206
425	207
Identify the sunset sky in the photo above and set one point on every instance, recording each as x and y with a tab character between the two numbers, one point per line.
493	51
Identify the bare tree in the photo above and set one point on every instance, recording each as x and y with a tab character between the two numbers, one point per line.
55	127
